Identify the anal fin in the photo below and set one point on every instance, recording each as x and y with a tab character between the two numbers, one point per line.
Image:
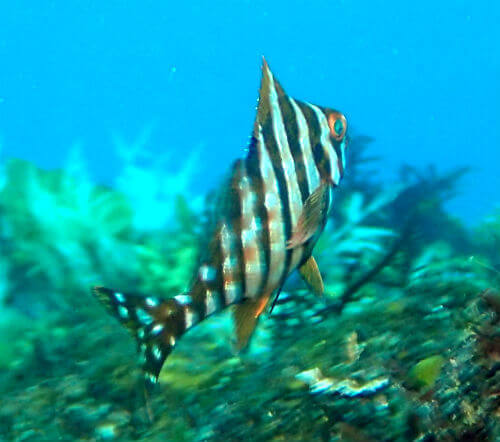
312	277
246	316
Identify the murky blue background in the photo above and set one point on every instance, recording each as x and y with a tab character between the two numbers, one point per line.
421	77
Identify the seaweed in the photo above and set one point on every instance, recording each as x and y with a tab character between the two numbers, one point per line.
404	346
60	230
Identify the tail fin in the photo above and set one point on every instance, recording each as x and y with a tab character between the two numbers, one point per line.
157	324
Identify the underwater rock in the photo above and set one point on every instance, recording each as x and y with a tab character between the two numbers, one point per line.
346	388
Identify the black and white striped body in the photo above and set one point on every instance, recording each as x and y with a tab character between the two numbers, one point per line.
290	155
292	152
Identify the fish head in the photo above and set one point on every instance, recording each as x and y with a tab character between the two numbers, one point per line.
326	128
335	144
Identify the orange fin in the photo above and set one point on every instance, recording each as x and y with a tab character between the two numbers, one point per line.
311	218
246	315
312	277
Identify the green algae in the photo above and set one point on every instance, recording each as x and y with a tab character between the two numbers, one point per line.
425	373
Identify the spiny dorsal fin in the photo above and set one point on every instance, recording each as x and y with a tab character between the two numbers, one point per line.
156	324
312	277
263	109
246	315
312	216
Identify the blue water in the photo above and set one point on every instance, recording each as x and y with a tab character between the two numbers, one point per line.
421	77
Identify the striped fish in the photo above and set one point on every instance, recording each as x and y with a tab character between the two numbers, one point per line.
273	209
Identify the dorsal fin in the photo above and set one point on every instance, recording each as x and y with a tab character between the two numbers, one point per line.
263	108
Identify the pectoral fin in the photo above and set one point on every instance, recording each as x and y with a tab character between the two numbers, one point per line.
312	277
313	214
246	315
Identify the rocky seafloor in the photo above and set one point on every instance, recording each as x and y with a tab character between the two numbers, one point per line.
434	366
405	345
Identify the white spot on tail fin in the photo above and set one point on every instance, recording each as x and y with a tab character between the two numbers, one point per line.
156	352
143	317
150	377
183	299
152	302
157	329
172	341
119	297
123	312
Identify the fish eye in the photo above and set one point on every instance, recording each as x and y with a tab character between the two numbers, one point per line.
338	125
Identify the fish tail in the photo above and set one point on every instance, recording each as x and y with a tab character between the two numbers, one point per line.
157	324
